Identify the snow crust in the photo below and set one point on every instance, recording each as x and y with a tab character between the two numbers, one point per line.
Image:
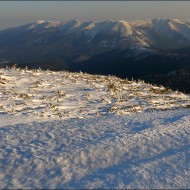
61	130
48	94
145	150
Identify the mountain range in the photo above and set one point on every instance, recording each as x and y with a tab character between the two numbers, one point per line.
152	49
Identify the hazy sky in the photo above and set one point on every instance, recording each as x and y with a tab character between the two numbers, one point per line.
17	13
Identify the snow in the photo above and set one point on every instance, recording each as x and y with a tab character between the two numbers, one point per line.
91	30
124	28
75	130
35	24
51	24
181	27
163	26
39	21
72	95
138	32
146	150
145	22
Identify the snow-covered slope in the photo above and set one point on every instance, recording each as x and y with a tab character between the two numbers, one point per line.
79	95
145	150
75	130
163	26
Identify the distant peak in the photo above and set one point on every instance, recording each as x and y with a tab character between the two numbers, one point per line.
73	20
176	20
39	21
121	21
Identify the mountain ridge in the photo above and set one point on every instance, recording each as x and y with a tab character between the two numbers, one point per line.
154	45
75	38
122	27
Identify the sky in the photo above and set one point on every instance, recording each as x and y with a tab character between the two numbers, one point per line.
14	13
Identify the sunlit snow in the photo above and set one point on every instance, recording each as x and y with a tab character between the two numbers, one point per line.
75	130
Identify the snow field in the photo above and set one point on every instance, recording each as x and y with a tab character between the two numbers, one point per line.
143	150
48	94
75	130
